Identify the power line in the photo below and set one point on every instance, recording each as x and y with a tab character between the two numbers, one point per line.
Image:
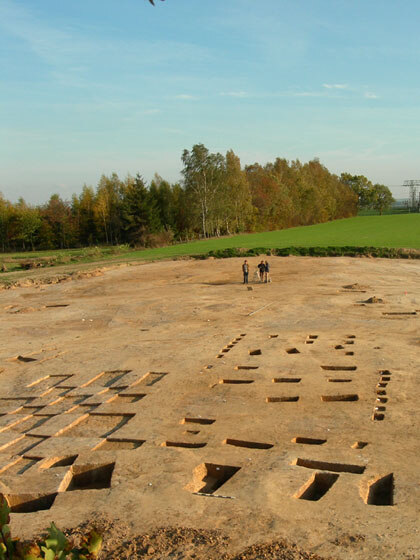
414	195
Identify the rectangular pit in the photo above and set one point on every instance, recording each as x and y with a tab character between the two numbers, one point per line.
30	503
236	381
359	444
317	486
209	477
150	379
87	477
28	410
247	444
281	399
108	378
287	379
20	466
115	444
126	398
198	420
21	445
38	381
340	398
339	368
333	467
97	425
309	441
186	444
30	424
55	462
396	313
381	491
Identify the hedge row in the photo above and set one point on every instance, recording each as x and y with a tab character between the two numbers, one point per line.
347	251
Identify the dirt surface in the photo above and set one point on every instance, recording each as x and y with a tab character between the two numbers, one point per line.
55	275
183	544
206	420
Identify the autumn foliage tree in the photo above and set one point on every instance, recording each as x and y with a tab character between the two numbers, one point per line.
217	196
369	196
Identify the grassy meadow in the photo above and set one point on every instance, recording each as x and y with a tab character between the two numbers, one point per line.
390	231
398	231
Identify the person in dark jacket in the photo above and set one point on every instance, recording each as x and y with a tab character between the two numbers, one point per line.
261	268
245	271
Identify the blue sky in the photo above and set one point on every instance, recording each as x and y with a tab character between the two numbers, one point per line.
95	86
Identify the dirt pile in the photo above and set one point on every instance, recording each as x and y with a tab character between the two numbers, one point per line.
183	543
374	299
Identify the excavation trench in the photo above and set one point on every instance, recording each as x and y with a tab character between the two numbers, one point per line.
209	477
325	466
317	486
247	444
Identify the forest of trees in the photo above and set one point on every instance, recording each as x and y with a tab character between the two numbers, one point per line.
216	197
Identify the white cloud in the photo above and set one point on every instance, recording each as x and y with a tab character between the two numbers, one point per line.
234	93
152	112
185	96
335	86
370	95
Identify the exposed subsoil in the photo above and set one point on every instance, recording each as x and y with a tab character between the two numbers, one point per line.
191	417
184	543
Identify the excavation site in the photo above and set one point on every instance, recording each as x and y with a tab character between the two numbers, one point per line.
186	415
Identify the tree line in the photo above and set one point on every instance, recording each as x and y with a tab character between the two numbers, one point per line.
216	196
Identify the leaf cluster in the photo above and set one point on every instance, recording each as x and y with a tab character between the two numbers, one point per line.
56	546
370	196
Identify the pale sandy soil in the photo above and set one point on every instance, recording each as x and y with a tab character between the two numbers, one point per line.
98	375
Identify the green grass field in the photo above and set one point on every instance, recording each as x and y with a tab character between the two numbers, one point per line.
391	231
399	231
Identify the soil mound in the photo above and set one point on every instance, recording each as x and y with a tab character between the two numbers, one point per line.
373	299
355	287
186	544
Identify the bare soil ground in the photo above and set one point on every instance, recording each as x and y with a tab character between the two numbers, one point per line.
191	417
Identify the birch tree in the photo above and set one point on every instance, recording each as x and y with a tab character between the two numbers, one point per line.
203	173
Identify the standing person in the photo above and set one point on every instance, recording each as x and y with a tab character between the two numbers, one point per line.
267	272
245	270
256	275
261	268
